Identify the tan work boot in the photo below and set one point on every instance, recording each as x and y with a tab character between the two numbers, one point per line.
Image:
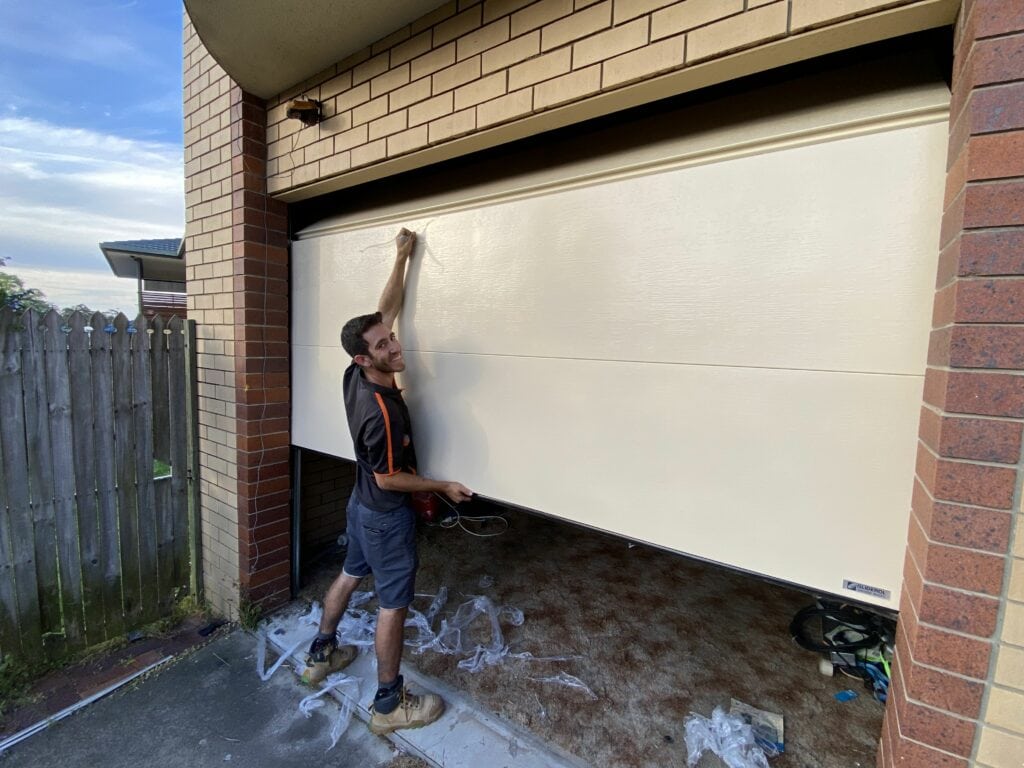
413	711
325	657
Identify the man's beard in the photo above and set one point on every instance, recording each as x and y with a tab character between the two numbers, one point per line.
390	366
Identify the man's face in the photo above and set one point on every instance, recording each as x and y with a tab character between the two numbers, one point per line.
385	351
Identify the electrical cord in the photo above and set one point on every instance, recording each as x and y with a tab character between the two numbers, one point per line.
455	521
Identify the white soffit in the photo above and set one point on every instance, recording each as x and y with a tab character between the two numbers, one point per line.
268	46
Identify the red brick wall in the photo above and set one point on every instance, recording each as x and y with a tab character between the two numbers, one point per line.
259	242
327	483
968	470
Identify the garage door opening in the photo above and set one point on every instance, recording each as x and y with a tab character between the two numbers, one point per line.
657	636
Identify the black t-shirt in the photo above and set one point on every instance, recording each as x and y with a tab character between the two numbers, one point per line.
378	420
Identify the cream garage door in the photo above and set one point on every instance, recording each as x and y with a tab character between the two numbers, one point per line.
715	344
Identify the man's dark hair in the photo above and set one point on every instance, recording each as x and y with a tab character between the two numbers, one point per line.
352	333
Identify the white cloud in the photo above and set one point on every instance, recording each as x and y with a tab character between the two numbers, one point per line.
71	32
65	190
97	290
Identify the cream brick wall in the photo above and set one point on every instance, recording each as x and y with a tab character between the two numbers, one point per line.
1001	743
473	65
208	270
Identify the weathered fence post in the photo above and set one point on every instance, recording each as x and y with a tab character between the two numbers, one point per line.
40	483
194	517
142	420
57	392
106	481
27	631
162	486
84	449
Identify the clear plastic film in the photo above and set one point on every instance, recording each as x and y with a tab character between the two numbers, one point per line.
349	688
449	639
567	680
452	637
728	736
261	655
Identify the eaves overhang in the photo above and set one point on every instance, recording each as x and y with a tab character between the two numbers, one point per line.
267	46
166	264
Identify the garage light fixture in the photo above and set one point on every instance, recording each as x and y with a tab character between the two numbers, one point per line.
308	111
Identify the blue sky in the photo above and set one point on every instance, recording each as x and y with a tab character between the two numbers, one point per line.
90	139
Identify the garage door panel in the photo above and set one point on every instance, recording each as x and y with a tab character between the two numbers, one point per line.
798	258
754	468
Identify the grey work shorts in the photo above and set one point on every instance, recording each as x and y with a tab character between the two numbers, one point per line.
384	544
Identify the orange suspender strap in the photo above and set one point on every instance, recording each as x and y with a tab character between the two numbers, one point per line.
387	429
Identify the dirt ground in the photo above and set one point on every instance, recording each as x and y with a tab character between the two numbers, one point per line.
659	636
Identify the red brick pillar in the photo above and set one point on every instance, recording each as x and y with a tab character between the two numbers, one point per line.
969	453
259	255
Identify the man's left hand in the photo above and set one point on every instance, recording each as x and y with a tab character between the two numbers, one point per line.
405	241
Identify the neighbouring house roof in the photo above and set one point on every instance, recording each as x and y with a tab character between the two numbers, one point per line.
162	259
267	46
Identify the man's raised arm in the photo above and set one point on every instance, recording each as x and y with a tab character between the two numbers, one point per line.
394	291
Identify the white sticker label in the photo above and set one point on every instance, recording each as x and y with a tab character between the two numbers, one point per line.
866	589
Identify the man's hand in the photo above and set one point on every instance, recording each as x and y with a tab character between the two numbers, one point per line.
457	492
405	241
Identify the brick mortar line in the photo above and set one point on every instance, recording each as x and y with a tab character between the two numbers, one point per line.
990	182
956	415
998	132
998	35
915	521
979	324
979	462
988	87
994	371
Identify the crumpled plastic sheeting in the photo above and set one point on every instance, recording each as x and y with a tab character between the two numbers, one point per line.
261	655
728	736
449	637
569	681
358	627
349	687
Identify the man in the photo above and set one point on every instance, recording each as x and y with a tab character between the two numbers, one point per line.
381	526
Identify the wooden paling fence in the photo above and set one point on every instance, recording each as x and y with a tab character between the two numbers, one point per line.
96	477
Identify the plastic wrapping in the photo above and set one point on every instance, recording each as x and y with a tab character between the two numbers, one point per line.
728	736
357	627
449	638
437	604
314	615
349	687
569	681
452	638
261	655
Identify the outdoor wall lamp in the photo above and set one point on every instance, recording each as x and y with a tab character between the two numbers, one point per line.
308	111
